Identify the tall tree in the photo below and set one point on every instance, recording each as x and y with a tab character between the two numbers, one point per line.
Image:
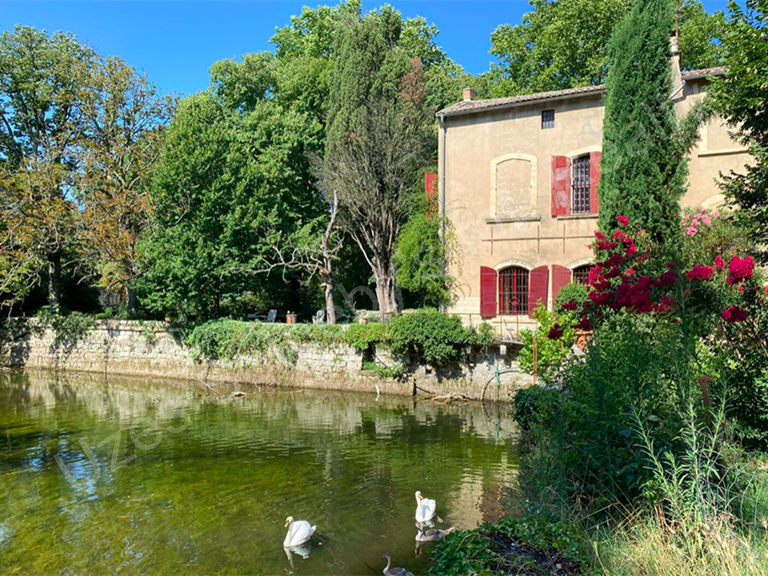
232	171
42	80
742	98
124	117
562	44
644	169
377	136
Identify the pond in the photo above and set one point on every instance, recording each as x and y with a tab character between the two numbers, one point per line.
126	476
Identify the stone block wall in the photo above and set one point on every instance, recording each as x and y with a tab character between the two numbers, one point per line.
155	349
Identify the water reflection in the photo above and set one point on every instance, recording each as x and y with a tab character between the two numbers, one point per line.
99	476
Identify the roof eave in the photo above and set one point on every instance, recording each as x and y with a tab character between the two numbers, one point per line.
445	112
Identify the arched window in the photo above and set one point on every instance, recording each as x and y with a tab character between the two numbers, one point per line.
513	290
581	274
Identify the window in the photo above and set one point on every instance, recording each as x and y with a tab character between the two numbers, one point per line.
581	274
580	186
547	119
513	291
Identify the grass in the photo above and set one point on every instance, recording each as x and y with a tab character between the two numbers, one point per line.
649	548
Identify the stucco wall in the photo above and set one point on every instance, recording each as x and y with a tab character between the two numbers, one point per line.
152	349
475	149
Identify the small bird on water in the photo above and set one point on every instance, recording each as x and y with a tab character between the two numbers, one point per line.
393	571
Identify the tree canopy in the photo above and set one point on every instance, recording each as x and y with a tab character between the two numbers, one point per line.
563	44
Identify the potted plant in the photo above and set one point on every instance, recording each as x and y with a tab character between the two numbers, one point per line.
291	317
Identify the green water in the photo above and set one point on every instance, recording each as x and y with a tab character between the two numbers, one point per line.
123	476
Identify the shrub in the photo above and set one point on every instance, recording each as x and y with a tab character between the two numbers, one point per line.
365	337
572	291
434	337
550	351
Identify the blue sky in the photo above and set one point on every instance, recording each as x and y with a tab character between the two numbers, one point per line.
175	42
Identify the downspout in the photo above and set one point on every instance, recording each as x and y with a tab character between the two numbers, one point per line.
679	89
441	124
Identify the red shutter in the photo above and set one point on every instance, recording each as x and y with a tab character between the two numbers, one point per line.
561	185
561	276
488	282
594	181
537	287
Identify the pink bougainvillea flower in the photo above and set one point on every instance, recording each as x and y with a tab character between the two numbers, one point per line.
623	220
629	272
740	269
600	236
701	272
555	333
766	290
733	314
570	305
719	262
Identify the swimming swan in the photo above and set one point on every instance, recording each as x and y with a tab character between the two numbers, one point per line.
432	535
425	508
393	571
298	532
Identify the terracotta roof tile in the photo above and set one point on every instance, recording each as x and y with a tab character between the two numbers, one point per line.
469	106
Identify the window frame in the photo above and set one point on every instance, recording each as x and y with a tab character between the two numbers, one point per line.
582	270
547	123
513	280
581	184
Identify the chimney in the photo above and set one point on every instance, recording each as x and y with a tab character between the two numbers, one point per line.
675	61
468	94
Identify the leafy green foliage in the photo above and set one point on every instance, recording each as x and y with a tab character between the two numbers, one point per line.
572	291
550	353
365	337
740	98
564	44
434	337
643	164
420	261
503	547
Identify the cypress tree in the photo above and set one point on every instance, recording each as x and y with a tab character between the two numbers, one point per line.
644	170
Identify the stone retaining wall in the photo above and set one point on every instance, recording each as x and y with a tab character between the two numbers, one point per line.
154	349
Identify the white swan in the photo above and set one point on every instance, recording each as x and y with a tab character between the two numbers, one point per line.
425	508
393	571
298	532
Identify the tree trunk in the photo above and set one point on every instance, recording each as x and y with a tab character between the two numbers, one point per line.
330	307
54	281
130	299
386	291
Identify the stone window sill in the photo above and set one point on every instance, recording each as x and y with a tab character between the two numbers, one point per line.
509	219
577	217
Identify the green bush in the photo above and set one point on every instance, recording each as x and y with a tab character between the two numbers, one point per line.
572	291
550	352
495	548
434	337
365	337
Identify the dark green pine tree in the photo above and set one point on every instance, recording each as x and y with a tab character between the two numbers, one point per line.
644	168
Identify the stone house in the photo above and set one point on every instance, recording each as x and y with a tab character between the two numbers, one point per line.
518	182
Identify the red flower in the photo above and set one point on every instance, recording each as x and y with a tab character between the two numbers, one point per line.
667	279
701	272
604	245
570	305
623	220
555	333
740	269
629	271
733	314
583	324
600	236
719	262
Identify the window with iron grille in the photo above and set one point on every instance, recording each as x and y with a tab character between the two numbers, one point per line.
513	291
581	274
547	119
581	185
